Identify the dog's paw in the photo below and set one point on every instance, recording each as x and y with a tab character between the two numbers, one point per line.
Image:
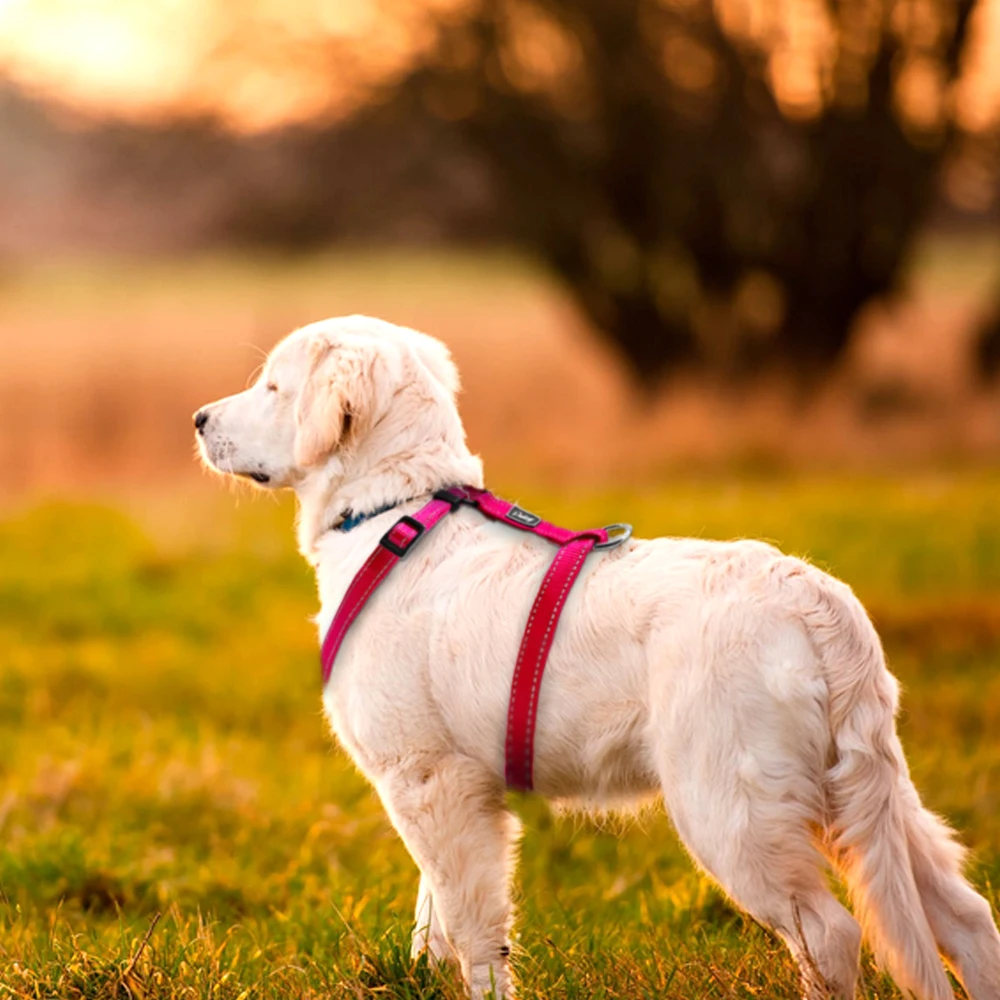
434	946
490	982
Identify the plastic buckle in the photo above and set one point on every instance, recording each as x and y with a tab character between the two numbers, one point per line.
617	533
455	500
394	547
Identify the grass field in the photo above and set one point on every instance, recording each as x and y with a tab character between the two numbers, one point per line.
175	820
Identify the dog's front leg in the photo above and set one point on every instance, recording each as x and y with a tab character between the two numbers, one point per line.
428	934
452	817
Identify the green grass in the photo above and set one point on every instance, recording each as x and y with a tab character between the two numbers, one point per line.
175	820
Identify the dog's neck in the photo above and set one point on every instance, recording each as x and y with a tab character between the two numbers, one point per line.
390	468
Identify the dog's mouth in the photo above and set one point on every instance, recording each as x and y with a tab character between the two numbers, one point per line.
257	477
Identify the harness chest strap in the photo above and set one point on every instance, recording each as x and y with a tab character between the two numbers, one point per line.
539	632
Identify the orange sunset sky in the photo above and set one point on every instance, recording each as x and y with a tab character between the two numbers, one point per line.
142	57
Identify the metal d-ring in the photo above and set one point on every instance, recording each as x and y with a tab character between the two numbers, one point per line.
617	533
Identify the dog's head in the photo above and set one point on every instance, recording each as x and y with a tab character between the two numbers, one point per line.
322	396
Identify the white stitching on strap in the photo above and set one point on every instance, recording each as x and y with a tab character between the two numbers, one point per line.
543	648
355	607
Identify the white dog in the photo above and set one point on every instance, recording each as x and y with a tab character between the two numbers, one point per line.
747	686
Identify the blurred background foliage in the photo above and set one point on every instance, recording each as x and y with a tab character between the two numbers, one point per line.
721	186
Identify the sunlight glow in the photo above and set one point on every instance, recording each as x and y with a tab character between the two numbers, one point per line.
126	57
146	57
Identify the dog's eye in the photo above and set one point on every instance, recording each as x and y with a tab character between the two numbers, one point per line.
272	387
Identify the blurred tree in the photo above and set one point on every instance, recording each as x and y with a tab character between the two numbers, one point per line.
984	162
721	185
986	344
988	348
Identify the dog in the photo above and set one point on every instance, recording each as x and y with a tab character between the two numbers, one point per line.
746	686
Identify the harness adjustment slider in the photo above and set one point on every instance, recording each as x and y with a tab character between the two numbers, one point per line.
401	548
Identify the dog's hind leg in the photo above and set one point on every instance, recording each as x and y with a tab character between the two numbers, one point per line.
428	934
741	757
770	868
453	819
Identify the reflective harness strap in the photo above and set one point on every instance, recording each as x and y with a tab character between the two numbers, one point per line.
536	642
574	547
392	547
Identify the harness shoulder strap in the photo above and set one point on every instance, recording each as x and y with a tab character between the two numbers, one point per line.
393	546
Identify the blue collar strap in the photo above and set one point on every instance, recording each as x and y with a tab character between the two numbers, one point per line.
352	520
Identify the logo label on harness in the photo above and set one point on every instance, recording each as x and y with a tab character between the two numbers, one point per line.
520	516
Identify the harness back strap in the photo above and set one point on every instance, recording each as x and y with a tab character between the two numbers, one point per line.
574	547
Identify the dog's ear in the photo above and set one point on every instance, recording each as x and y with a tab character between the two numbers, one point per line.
336	391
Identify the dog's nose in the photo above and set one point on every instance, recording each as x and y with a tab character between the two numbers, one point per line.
200	419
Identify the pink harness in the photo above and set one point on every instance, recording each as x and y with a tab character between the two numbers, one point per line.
574	547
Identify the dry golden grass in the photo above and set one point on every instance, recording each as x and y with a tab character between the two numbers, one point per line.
101	366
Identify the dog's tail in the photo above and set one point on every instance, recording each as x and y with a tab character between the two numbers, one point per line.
880	835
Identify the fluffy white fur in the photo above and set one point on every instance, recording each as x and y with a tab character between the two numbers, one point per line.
746	686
